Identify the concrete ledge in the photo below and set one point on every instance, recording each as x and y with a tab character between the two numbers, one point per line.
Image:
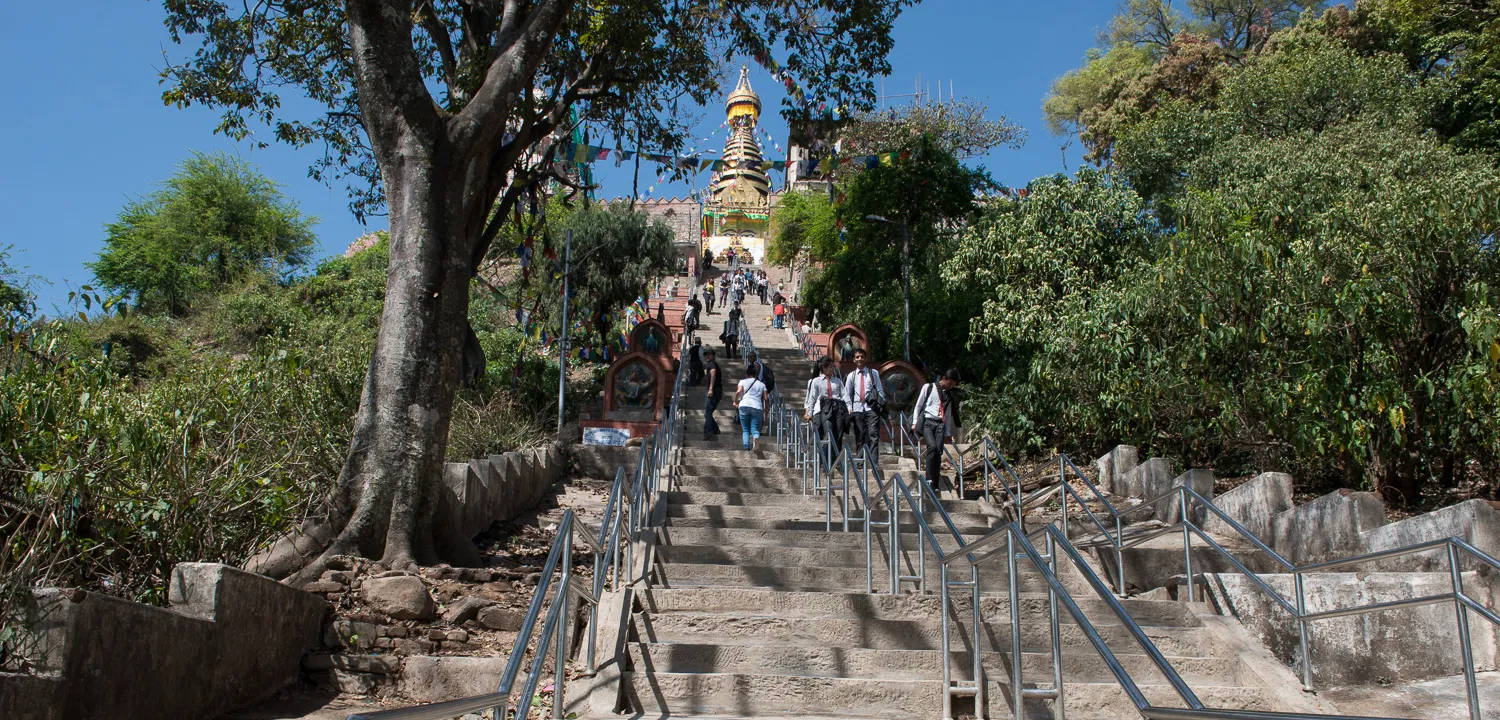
1328	527
1115	463
1252	505
1200	481
1393	645
211	651
1474	521
1146	480
481	492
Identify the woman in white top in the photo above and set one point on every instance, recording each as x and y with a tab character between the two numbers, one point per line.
750	398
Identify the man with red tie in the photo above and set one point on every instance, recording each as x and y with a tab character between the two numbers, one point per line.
824	407
865	397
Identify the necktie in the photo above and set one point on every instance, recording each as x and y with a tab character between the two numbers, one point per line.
941	416
861	386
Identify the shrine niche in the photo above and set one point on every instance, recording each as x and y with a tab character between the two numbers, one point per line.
651	336
842	343
902	382
637	386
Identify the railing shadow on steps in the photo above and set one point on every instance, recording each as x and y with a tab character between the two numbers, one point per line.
627	517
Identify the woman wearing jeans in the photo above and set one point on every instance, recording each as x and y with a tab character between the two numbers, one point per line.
750	398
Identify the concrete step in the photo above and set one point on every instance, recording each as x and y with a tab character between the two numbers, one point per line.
798	500
708	520
884	606
787	483
793	518
832	579
880	634
759	695
820	558
1080	666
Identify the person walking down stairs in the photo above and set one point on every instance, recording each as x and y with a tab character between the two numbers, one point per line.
711	397
935	419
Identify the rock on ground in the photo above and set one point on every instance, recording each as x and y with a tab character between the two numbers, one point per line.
403	597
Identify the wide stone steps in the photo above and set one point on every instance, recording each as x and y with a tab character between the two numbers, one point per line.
771	695
755	610
883	634
877	664
791	604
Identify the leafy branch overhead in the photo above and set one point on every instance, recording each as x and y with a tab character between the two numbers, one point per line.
525	69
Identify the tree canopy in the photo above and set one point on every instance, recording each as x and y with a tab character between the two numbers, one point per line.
444	115
214	221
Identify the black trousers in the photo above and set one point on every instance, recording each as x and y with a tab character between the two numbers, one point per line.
934	432
830	425
866	432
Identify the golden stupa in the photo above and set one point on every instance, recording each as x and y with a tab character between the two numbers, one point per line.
738	212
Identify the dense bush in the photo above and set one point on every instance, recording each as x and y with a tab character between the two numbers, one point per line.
1311	284
132	442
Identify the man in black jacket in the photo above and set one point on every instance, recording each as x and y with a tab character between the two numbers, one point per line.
715	392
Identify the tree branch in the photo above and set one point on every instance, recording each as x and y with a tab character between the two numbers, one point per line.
444	43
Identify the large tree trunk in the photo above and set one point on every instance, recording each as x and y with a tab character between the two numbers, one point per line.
386	490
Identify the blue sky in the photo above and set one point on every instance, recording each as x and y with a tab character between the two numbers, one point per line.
85	130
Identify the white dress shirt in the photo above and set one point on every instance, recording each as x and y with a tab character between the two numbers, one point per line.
819	389
862	385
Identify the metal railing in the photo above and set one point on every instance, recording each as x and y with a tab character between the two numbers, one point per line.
627	516
1017	545
1109	534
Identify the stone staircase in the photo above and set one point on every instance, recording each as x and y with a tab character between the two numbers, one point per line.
755	610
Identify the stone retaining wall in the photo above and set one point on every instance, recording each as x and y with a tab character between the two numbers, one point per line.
214	649
1394	646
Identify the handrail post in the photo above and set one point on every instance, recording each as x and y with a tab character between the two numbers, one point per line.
1465	643
1016	692
1119	558
979	701
1057	674
1302	631
896	542
844	456
559	653
947	646
1187	541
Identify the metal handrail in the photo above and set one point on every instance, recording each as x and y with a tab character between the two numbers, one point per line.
901	491
1188	498
1058	542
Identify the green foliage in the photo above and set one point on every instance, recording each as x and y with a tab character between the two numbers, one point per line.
1321	296
927	192
1307	86
216	221
803	228
960	126
131	442
616	252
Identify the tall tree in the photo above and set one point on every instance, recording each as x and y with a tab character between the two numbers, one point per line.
616	252
440	111
961	126
214	221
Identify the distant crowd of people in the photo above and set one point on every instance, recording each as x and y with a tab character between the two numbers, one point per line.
835	404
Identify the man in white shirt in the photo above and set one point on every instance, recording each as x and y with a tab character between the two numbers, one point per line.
824	406
865	396
935	419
